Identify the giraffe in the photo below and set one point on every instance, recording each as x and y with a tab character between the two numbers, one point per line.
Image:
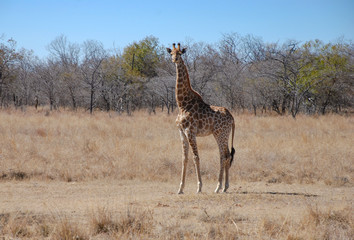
197	119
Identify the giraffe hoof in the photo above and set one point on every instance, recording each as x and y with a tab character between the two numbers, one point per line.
217	189
180	192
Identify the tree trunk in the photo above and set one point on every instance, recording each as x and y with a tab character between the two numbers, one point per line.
91	100
72	98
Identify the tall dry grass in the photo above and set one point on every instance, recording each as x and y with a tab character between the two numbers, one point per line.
74	146
305	150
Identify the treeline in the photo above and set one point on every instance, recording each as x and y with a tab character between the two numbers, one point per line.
239	72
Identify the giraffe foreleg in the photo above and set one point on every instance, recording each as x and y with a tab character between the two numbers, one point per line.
193	143
185	149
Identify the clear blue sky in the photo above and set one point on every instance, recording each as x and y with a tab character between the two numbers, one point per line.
35	23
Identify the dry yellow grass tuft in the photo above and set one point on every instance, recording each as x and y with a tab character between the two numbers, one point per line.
132	224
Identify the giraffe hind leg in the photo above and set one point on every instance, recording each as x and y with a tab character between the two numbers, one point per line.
223	159
227	165
224	162
221	172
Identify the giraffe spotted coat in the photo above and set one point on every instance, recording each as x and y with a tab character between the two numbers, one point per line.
196	119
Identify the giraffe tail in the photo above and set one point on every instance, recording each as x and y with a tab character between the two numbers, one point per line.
232	155
232	143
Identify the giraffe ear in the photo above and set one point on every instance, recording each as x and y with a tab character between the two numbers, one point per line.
184	50
169	50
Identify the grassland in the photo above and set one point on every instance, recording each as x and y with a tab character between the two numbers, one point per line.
66	175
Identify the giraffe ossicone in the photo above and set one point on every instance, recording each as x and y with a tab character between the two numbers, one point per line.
197	118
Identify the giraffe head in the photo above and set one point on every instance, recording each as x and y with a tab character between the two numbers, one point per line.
176	53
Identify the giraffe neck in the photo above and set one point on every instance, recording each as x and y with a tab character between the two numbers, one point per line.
184	92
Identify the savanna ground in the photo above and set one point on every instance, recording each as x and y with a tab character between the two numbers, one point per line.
69	175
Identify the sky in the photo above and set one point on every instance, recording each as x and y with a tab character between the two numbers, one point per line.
33	24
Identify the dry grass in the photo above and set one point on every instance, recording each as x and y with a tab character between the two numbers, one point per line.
132	224
69	175
314	224
73	146
140	224
305	150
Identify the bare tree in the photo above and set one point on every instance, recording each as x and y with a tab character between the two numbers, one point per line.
48	73
163	90
91	68
234	63
281	67
22	87
68	56
113	86
9	58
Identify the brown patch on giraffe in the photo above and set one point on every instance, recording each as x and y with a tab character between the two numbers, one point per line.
200	124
